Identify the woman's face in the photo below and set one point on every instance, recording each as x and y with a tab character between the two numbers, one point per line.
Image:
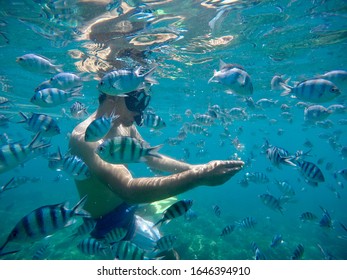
126	117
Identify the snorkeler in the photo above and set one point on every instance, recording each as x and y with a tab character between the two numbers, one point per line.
113	193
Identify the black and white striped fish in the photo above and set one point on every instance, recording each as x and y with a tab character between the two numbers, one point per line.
14	154
76	167
41	123
99	127
124	149
247	223
85	228
271	202
308	216
227	230
115	235
278	156
216	210
311	172
325	221
51	97
256	177
298	252
314	90
78	110
276	240
285	188
165	243
44	221
92	246
258	254
126	250
177	209
153	121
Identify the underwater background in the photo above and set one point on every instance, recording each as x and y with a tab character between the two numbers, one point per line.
186	41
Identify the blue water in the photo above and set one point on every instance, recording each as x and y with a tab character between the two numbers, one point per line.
298	39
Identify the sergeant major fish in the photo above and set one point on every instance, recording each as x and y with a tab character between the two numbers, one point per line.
14	154
177	209
165	243
51	97
271	202
41	123
38	64
92	246
75	167
315	90
121	82
234	77
99	127
62	81
311	172
124	149
298	252
45	221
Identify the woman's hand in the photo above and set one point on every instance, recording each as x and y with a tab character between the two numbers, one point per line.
217	172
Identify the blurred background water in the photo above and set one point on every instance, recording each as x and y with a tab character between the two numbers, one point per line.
187	40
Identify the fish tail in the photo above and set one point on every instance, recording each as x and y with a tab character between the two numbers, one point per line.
287	89
159	222
78	211
149	78
59	68
25	118
153	151
37	143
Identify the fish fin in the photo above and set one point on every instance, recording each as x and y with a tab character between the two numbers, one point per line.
288	161
149	78
241	79
159	222
25	118
153	151
222	64
287	89
59	68
116	85
211	80
77	209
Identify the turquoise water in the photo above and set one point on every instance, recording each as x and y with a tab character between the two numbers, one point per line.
298	39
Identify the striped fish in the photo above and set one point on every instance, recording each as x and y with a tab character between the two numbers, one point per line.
123	149
116	235
92	246
216	210
121	82
276	240
85	228
126	250
279	156
99	127
51	97
41	123
271	202
76	167
234	77
62	81
311	172
298	252
258	255
285	188
227	230
308	216
78	110
38	64
45	221
315	90
247	223
326	220
14	154
153	121
165	243
177	209
316	113
256	177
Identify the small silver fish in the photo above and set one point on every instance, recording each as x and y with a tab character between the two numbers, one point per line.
38	64
51	97
153	121
234	77
121	82
63	81
315	90
316	113
276	82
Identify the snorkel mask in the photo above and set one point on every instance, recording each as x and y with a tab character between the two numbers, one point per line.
137	101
